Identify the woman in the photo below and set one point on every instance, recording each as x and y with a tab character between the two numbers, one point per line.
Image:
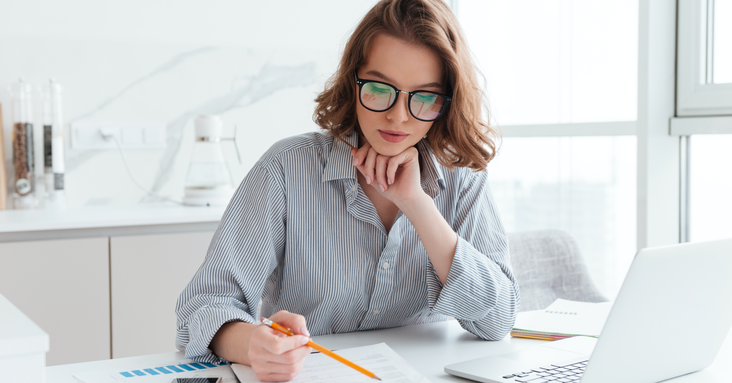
384	220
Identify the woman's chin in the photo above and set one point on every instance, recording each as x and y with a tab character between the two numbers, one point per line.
389	150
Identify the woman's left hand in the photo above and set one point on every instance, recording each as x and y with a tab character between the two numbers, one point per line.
397	178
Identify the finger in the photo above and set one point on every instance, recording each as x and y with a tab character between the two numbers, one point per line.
292	357
279	346
369	165
265	340
392	168
295	322
277	377
272	372
361	154
381	163
280	376
398	160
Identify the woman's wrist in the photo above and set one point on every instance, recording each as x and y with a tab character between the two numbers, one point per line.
419	201
231	341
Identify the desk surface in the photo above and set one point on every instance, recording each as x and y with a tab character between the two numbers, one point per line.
427	347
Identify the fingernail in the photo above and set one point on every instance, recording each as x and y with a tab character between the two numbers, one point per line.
355	161
382	187
304	340
304	331
390	181
368	180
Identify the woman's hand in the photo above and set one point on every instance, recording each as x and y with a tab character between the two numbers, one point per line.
397	178
274	356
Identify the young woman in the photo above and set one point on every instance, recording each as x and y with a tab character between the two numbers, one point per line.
384	220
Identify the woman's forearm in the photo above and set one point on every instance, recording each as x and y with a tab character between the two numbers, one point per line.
438	238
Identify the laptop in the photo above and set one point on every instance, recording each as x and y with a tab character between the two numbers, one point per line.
670	318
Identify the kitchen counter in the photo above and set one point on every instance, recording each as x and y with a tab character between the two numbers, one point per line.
106	221
100	271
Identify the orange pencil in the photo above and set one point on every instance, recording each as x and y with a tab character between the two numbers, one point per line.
322	349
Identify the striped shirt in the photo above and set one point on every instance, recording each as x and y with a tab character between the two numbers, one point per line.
301	235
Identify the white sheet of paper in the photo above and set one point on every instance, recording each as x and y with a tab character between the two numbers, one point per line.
566	317
121	375
378	358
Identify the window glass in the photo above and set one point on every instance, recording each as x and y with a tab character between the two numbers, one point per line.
555	61
722	41
710	189
583	185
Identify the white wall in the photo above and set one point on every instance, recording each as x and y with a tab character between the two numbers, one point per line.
257	64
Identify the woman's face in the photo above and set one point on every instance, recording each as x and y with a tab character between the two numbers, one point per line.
408	67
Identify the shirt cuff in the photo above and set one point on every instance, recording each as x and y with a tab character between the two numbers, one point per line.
473	284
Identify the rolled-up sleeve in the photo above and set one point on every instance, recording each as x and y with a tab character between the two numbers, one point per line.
245	250
481	291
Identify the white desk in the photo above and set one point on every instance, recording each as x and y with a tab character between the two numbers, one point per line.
427	347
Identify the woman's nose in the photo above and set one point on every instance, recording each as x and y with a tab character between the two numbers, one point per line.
400	111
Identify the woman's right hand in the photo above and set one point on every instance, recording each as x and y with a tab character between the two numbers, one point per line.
274	356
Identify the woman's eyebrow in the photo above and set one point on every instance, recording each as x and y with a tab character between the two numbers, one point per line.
386	78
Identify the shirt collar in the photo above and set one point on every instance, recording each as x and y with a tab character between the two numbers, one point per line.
339	164
432	180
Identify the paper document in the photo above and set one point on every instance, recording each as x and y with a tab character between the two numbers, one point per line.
379	359
562	319
158	373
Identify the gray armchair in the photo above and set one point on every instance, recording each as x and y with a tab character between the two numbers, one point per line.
548	265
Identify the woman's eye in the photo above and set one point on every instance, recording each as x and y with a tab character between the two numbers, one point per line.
423	98
379	89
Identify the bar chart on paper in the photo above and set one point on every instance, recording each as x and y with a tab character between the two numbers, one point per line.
163	373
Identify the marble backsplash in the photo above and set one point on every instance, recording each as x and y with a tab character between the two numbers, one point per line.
267	93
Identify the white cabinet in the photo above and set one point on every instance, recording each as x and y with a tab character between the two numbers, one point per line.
148	274
103	281
62	286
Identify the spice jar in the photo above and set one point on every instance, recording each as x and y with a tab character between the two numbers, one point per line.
53	146
21	94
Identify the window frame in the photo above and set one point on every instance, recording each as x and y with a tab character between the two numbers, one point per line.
696	97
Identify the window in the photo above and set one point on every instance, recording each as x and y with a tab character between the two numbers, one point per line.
704	80
704	116
553	61
722	47
710	178
564	93
582	185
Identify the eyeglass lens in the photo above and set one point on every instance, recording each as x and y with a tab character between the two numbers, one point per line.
423	105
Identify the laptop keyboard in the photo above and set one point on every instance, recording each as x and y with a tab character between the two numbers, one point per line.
564	373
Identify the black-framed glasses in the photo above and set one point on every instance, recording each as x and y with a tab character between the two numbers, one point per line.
378	96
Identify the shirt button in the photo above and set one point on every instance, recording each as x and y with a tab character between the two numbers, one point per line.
385	265
377	312
353	188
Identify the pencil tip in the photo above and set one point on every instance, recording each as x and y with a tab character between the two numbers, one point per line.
376	377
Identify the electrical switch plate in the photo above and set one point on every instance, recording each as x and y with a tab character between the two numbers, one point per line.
87	135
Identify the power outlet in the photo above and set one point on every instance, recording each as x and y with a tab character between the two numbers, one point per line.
85	135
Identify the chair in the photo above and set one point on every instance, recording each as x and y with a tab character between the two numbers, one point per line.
548	265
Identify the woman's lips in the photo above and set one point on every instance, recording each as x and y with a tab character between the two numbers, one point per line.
392	136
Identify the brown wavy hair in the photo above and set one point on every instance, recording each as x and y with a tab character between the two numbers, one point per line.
460	137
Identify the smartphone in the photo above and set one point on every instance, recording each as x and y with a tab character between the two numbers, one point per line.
197	380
